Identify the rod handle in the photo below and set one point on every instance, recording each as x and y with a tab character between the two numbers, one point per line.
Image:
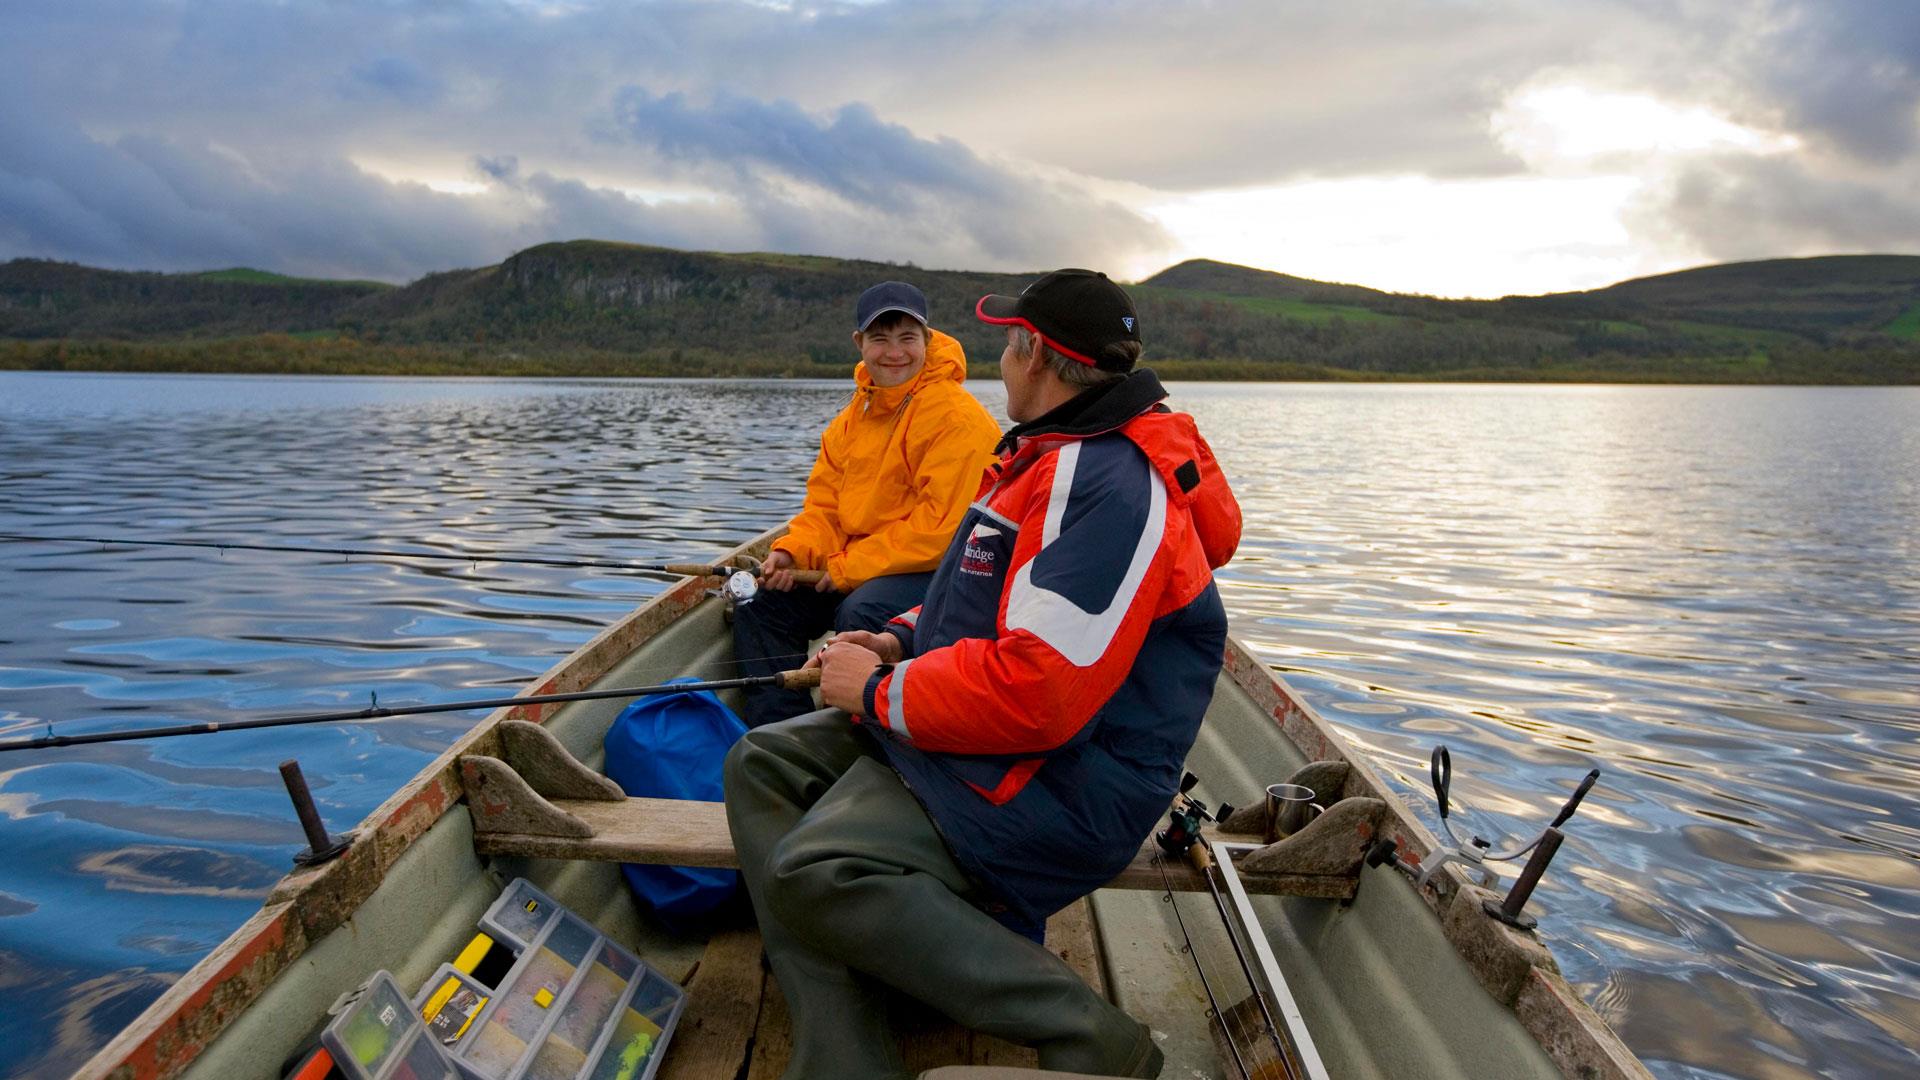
1198	856
803	577
800	679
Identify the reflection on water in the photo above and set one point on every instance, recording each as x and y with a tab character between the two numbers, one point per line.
1708	593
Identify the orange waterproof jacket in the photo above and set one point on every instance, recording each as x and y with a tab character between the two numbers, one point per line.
895	472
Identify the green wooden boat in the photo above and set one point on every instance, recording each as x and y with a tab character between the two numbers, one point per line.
1386	979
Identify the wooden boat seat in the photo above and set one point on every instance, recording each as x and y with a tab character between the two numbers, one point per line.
536	800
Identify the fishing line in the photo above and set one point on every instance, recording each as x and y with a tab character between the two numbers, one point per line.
791	680
673	569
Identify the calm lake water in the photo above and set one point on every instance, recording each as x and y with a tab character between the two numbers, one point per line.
1710	594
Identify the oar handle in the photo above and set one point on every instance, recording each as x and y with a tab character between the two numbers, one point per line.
800	679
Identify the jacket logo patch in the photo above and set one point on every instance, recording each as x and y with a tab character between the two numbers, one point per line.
977	560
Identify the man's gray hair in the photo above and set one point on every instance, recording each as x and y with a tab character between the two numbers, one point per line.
1071	371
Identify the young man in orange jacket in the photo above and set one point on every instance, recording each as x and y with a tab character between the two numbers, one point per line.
1004	749
893	476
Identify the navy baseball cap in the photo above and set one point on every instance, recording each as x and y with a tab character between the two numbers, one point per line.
889	296
1078	312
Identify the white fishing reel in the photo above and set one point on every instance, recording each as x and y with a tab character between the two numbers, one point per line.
741	587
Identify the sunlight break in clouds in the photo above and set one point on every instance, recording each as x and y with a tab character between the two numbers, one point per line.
1566	125
1573	220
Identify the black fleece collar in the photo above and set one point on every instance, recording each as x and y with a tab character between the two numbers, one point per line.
1093	411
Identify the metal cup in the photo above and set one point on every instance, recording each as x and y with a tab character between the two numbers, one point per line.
1289	808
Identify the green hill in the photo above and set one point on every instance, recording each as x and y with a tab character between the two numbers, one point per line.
44	299
592	307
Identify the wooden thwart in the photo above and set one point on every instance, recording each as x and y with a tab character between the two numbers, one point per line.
511	817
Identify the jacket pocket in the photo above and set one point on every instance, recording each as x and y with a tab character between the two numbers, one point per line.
995	779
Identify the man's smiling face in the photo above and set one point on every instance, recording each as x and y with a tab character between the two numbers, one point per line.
894	352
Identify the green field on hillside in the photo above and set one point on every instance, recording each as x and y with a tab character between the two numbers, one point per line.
1274	306
1907	325
246	275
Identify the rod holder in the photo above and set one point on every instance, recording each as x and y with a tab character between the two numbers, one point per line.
1508	911
320	847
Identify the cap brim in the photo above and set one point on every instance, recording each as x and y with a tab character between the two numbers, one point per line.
875	317
999	310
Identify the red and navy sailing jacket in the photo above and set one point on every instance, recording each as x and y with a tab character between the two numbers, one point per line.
1057	672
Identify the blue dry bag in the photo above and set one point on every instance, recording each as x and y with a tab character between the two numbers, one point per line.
670	746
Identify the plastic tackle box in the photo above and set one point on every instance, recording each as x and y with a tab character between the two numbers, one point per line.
574	1006
377	1035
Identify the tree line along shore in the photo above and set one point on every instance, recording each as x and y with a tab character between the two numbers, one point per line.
280	354
603	310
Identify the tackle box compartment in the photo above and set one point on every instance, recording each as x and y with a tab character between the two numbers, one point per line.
376	1034
574	1006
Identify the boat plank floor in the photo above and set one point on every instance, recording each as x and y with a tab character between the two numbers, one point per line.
723	1009
927	1039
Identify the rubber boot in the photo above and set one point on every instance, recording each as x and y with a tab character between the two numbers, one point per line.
772	775
840	1026
864	877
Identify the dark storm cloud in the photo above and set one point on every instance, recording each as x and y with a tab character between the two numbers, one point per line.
884	182
852	153
1846	72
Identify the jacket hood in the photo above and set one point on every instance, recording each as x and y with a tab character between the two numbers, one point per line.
1091	412
946	361
1170	440
1186	465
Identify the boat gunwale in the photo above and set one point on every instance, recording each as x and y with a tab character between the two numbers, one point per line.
306	905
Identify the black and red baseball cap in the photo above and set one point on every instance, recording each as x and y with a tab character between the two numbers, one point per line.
1078	312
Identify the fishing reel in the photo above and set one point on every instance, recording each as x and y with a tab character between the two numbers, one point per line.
740	587
743	584
1184	820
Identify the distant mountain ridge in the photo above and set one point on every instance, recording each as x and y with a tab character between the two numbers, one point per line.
1780	318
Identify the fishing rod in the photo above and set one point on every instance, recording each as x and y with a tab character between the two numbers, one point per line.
807	577
798	679
1181	838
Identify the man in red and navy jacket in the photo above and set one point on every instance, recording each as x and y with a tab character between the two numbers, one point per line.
1004	749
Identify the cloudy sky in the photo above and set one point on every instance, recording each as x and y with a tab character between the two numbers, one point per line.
1453	147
